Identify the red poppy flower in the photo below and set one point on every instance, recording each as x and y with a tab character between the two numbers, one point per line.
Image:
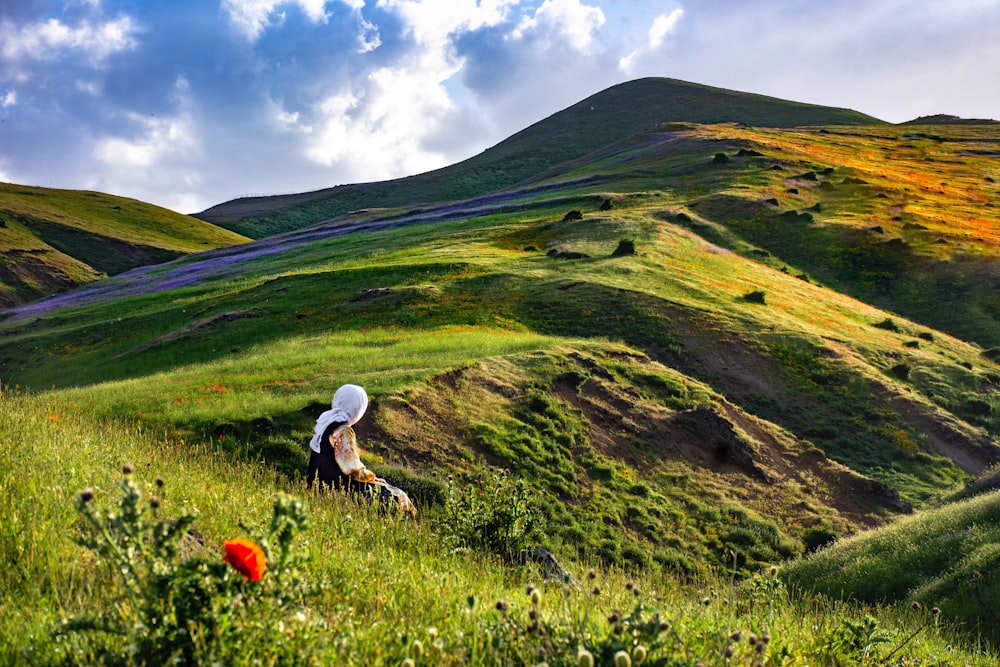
246	557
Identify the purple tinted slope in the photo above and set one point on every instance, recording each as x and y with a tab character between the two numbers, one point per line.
234	260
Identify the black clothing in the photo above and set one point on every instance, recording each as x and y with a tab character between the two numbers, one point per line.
323	466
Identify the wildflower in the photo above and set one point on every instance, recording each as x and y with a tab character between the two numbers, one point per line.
432	631
591	574
154	503
752	639
246	558
502	606
536	596
639	654
765	636
736	636
629	585
935	611
418	648
160	482
584	658
408	662
597	590
127	469
87	495
622	659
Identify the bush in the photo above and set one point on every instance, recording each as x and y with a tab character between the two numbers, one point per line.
178	605
901	371
625	247
888	324
490	513
756	296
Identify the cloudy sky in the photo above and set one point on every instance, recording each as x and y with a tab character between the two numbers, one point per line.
188	103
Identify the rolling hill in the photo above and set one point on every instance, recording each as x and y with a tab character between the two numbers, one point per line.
54	240
701	346
604	118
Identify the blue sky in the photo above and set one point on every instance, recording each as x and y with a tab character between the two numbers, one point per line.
188	103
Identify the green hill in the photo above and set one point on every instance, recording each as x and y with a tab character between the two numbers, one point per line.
946	558
691	354
639	337
604	118
53	240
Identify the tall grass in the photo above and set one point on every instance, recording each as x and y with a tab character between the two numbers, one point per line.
946	558
391	589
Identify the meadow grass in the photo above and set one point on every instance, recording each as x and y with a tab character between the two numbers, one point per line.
943	558
391	589
249	357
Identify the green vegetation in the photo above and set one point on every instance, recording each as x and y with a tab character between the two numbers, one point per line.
52	240
733	364
344	583
610	116
946	558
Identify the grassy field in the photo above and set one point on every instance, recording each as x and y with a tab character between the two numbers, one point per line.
381	590
53	240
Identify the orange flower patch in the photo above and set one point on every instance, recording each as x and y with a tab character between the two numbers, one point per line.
246	557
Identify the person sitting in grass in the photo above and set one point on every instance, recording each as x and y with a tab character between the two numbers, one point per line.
335	463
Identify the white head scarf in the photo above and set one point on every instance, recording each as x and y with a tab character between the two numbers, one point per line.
349	405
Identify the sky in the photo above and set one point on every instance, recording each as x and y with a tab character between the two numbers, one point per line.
190	103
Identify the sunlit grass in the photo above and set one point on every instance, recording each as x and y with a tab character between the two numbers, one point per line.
294	372
391	582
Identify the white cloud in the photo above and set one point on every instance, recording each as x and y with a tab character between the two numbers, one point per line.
8	99
253	17
157	137
432	22
88	87
49	40
571	19
664	25
368	37
377	133
625	62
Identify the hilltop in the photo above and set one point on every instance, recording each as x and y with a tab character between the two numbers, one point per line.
609	116
54	240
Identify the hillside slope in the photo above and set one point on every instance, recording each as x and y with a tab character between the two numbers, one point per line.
606	117
53	240
638	338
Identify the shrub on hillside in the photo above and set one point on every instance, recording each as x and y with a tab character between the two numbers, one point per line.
625	247
177	603
888	324
492	513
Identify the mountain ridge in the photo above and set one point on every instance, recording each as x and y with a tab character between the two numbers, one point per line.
603	118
